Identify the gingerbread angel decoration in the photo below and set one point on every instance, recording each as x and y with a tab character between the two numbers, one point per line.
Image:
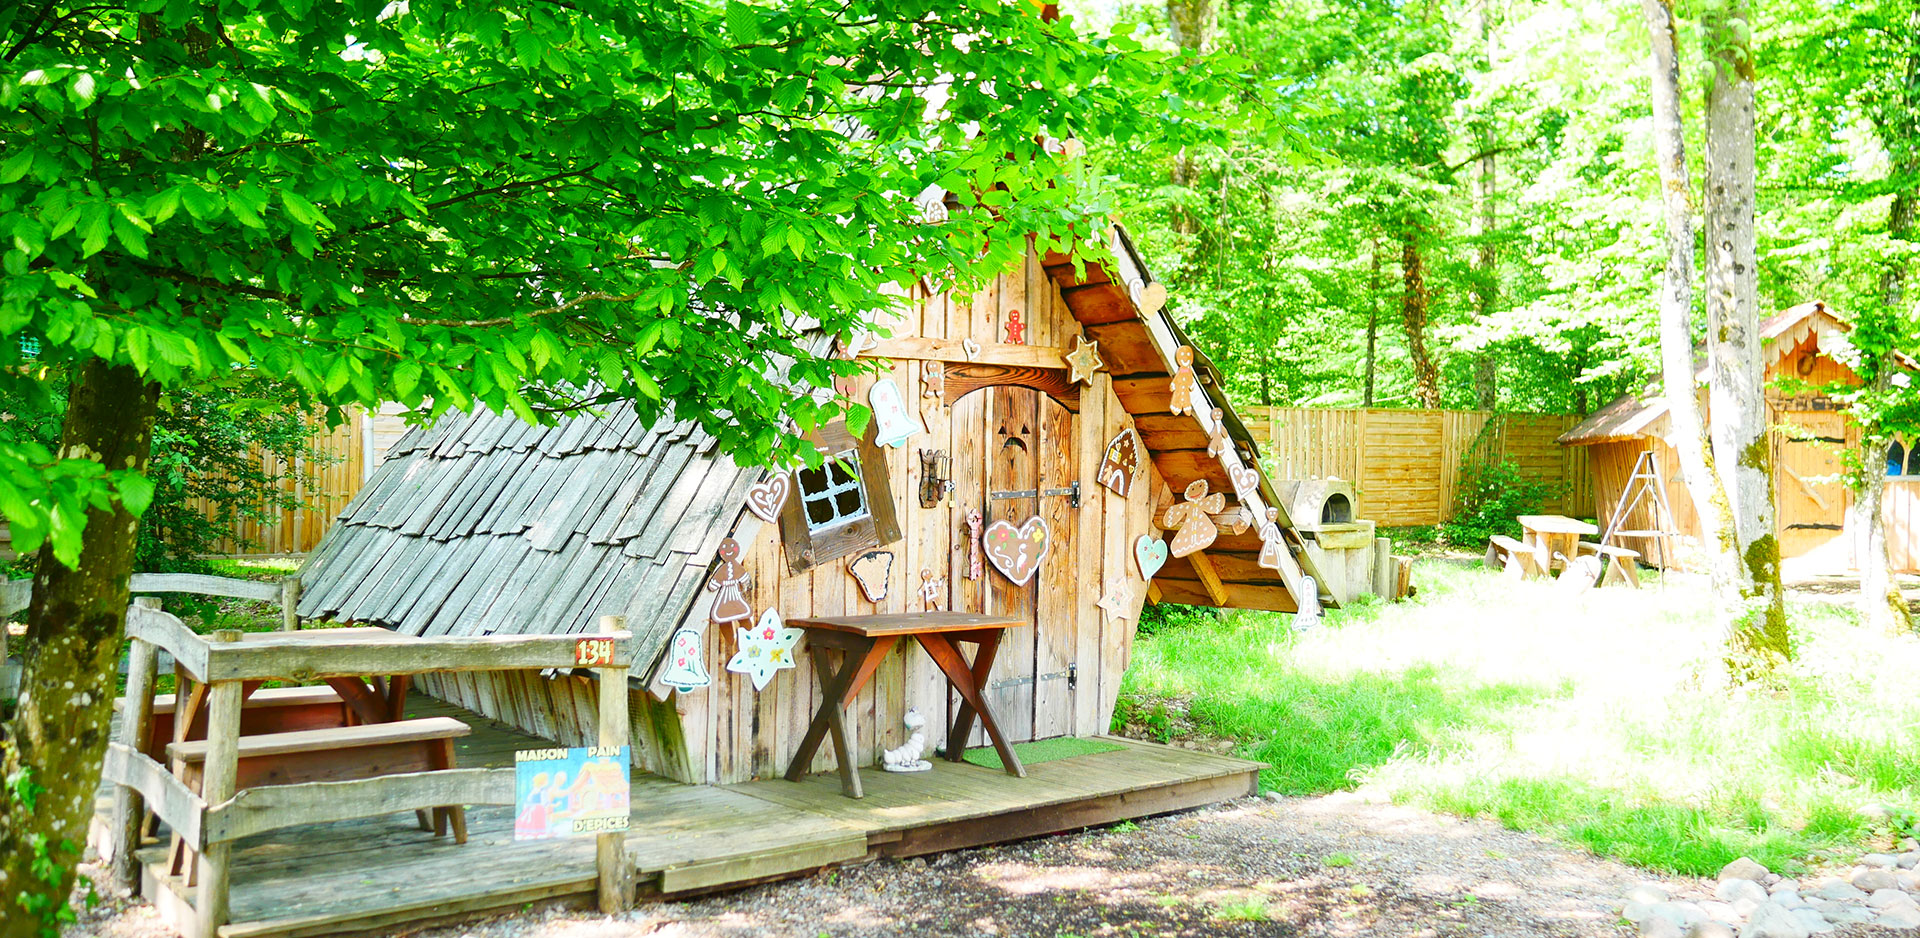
1182	383
1193	530
1271	543
729	586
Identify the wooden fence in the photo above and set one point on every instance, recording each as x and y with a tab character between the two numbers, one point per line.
1406	463
347	455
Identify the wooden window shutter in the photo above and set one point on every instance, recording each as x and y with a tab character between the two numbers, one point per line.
807	548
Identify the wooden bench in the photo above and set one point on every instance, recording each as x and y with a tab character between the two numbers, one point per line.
340	754
1516	558
267	710
1623	564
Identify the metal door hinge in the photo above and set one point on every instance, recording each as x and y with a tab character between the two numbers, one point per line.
1071	675
1071	491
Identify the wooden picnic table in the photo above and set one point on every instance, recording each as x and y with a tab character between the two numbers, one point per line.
1554	536
864	641
372	698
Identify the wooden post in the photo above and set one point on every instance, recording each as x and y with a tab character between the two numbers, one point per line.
610	857
136	724
220	774
1385	572
290	603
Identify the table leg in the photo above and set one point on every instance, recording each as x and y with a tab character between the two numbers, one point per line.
968	680
366	704
858	661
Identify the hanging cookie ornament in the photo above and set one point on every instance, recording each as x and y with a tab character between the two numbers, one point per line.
1017	551
1182	383
1272	544
1120	463
1194	530
1016	330
683	671
764	649
729	586
1151	554
769	495
1083	361
893	423
872	570
1217	443
933	385
973	544
1121	598
970	348
933	590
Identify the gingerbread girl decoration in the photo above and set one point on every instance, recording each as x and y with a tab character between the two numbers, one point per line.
974	571
1217	443
1271	544
1194	530
728	586
1182	383
1016	330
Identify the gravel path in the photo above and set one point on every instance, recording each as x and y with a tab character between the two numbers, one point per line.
1337	865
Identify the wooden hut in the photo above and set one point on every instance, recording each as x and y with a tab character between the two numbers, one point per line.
1810	501
1069	399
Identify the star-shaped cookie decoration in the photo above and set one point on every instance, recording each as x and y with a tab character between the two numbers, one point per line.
1120	599
764	649
1084	360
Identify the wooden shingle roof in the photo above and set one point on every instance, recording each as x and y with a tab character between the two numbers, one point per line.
481	524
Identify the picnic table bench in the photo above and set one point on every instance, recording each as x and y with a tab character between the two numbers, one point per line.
267	710
1623	563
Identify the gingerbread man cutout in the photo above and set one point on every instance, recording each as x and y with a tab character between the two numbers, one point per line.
931	590
728	586
1217	444
1016	330
1182	383
1194	529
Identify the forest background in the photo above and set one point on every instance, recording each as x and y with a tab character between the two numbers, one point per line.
1472	217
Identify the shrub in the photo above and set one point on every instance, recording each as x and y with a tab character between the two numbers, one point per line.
1491	496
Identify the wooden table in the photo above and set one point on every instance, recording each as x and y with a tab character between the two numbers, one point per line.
373	699
1554	535
864	641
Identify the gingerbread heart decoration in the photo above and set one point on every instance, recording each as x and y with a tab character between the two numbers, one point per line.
769	495
1246	482
1151	553
1017	551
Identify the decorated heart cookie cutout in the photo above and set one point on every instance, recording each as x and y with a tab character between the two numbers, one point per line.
1246	482
1017	551
1151	553
769	495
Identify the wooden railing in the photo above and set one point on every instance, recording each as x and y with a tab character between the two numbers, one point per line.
210	821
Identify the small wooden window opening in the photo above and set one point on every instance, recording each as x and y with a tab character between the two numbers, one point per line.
844	507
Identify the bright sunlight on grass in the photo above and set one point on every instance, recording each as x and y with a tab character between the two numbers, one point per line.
1600	720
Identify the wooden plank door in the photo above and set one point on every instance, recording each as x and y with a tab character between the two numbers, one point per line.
1031	469
1810	503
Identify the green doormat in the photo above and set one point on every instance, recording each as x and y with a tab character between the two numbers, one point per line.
1045	750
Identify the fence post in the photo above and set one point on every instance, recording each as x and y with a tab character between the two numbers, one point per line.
136	724
610	855
217	781
290	603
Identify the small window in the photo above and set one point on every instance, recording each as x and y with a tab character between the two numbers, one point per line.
1897	459
845	506
832	494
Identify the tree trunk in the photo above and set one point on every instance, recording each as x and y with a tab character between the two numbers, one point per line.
1486	388
1413	317
1882	607
58	737
1373	319
1191	24
1758	640
1676	306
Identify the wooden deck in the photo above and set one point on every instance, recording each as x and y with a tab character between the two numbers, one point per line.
380	873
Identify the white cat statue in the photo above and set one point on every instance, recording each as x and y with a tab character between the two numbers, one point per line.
906	757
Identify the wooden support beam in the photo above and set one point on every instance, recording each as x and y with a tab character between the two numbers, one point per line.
610	853
136	723
290	601
219	775
1209	578
921	348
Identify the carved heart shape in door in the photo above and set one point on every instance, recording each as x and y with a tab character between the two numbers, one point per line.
769	495
1017	551
1151	554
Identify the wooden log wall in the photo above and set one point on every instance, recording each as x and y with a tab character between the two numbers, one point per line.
1060	675
1406	463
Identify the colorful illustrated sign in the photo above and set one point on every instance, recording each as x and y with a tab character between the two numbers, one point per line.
570	792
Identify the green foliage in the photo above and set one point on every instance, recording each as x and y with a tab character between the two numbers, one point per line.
219	457
533	209
49	859
1491	496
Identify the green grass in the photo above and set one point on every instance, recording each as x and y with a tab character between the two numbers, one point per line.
1601	720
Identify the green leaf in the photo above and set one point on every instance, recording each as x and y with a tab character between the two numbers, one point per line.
406	377
338	374
161	205
136	492
303	211
242	211
18	164
94	228
203	203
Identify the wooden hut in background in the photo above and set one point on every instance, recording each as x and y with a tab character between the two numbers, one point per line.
1810	501
480	524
